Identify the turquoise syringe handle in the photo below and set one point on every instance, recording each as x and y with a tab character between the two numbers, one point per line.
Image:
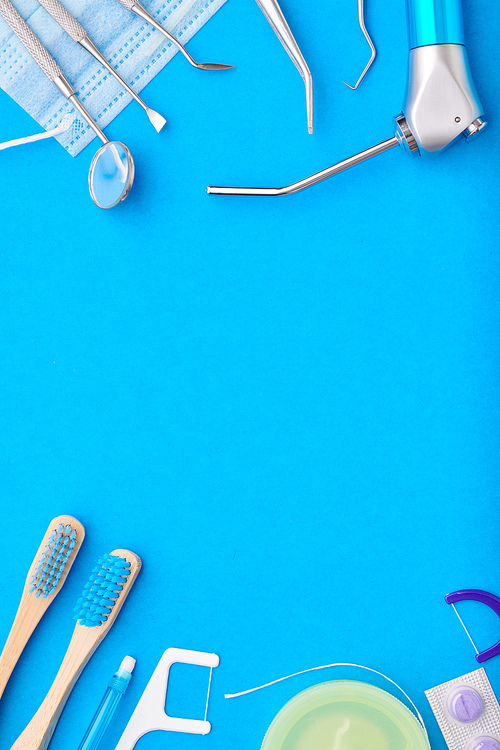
435	22
102	717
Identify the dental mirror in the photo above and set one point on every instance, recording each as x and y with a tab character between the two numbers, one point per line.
111	174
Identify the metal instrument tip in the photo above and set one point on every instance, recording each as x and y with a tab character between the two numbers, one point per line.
214	66
157	120
361	19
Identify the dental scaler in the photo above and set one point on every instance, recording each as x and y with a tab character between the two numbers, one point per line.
441	103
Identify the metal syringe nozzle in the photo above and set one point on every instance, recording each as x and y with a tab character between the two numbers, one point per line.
313	179
403	137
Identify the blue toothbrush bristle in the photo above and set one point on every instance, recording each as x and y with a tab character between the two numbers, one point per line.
102	590
53	560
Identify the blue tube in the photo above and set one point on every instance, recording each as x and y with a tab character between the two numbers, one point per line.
102	717
435	22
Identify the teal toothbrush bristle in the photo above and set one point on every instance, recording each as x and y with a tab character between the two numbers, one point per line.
102	590
53	561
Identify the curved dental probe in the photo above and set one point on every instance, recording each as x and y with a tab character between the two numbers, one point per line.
361	19
139	10
277	20
111	173
79	35
491	601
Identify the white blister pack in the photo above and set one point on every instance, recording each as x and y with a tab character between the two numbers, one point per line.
467	712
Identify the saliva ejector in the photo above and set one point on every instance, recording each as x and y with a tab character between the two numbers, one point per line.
441	104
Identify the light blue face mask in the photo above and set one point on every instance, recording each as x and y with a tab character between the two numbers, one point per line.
135	49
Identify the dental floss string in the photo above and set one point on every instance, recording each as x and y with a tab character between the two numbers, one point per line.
463	625
208	692
327	666
63	126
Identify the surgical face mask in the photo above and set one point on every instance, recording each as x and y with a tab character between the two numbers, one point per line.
467	712
134	48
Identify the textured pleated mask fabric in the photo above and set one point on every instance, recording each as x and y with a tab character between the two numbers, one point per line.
134	48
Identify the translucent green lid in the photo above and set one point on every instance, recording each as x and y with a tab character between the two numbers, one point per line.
345	715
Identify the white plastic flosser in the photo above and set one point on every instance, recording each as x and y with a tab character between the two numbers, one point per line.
150	714
441	104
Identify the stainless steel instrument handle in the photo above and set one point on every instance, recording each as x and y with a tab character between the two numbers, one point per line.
45	60
64	19
127	4
277	20
30	40
274	15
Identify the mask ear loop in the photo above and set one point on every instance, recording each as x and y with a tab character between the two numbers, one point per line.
64	125
337	664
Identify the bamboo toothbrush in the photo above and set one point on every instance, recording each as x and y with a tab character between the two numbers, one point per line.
96	611
45	579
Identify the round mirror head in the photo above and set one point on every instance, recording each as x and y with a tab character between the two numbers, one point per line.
111	174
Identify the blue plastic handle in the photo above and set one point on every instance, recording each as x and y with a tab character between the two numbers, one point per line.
435	22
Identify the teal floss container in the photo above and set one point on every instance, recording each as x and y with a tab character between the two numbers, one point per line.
102	717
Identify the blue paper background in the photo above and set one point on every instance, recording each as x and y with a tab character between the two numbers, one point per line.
288	407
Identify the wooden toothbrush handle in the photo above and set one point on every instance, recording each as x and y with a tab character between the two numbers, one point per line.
32	607
27	618
39	731
84	642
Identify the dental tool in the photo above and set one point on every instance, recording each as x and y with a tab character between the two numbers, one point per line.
140	11
78	34
111	172
274	15
63	126
361	19
441	103
117	687
483	597
150	714
102	599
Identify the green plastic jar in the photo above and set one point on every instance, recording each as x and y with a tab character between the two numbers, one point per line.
345	715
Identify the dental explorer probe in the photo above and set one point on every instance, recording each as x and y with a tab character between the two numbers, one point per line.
361	20
110	151
441	102
140	11
78	34
274	15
